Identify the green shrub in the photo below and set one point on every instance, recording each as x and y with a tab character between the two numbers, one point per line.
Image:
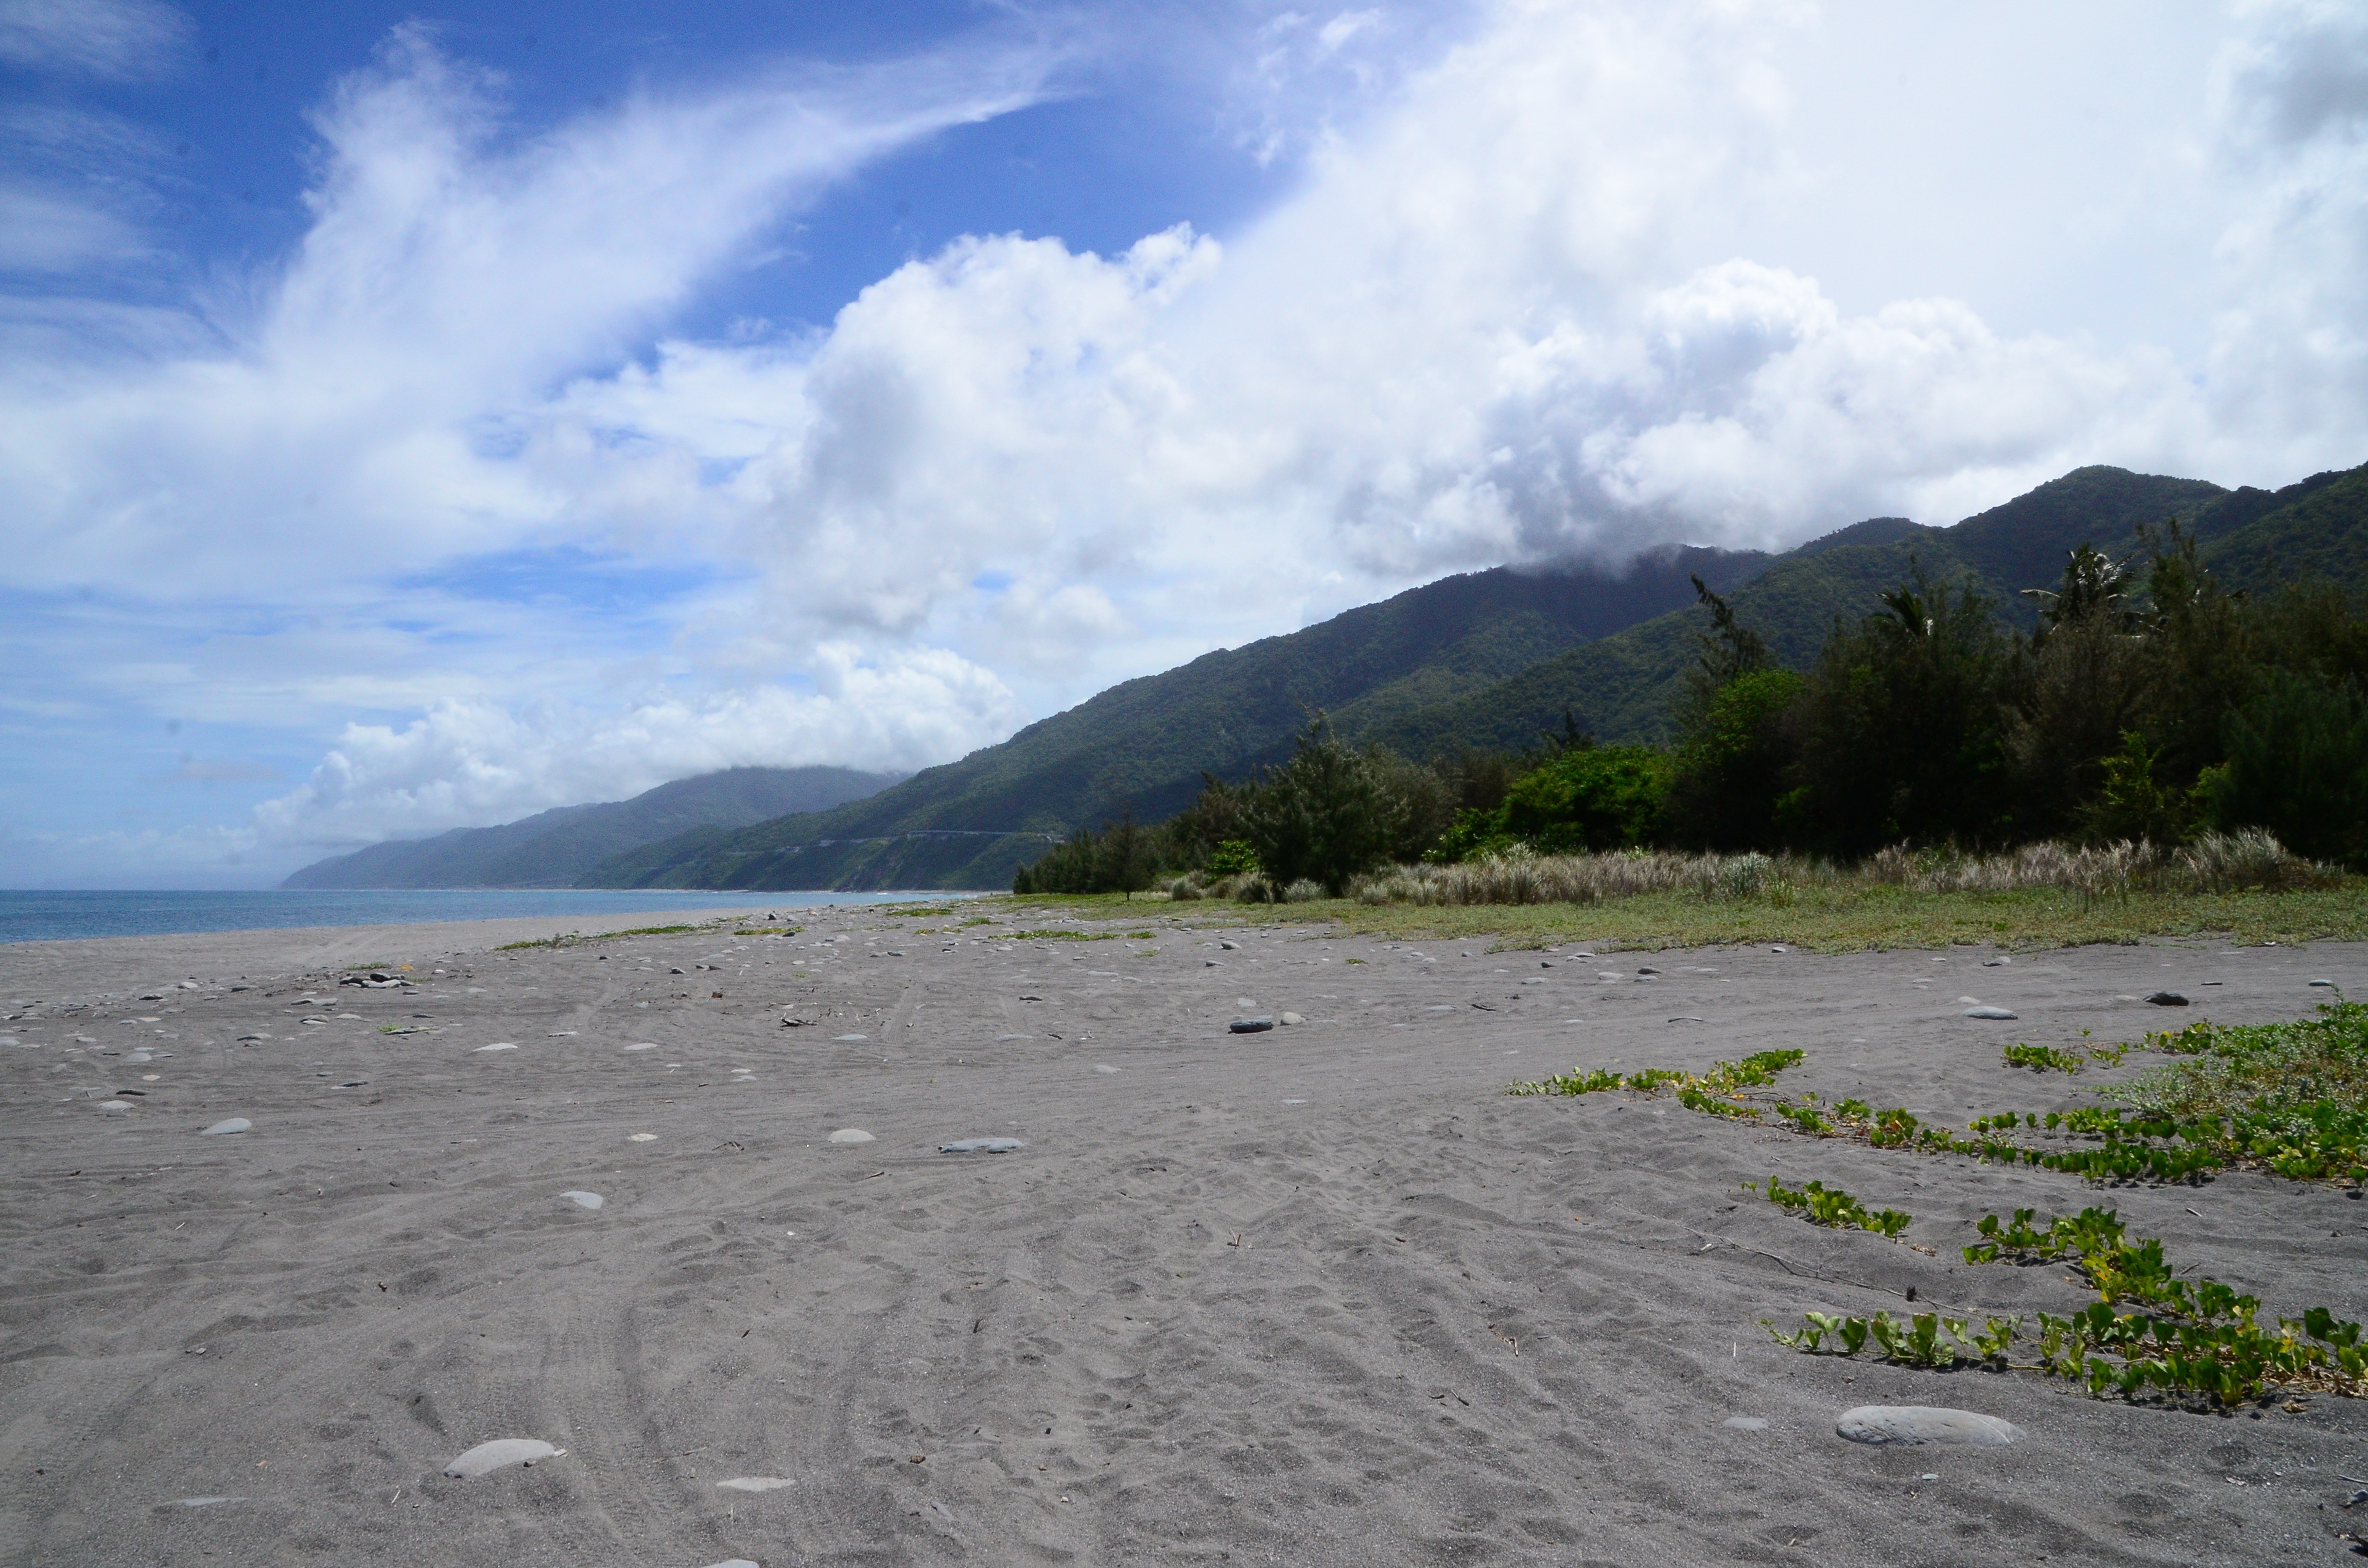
1599	798
2297	765
1323	816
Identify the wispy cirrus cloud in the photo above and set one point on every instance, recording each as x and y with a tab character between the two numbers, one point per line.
110	40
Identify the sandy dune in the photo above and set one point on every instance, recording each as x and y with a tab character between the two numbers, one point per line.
1320	1295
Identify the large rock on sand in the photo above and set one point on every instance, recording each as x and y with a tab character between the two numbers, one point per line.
1925	1424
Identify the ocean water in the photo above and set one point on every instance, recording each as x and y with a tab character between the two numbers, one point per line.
39	917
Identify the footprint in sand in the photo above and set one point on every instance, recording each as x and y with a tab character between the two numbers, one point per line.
500	1454
583	1199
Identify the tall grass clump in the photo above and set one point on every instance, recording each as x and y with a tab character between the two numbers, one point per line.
2214	863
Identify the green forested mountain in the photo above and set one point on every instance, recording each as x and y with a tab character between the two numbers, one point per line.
552	848
1142	745
1487	661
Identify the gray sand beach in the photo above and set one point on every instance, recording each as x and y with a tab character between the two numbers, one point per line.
1321	1293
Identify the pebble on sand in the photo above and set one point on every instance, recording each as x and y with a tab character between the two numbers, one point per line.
229	1125
1987	1013
2327	982
583	1199
756	1484
1998	962
1288	1018
1251	1026
980	1146
500	1454
852	1135
1925	1424
641	1138
2167	999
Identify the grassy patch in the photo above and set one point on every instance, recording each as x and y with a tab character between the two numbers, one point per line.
2041	1059
2291	1097
1839	919
1059	936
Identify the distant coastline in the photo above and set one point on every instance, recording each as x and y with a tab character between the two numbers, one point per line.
44	915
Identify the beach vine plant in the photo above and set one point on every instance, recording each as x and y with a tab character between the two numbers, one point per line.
1823	1205
2288	1097
1718	1092
2184	1337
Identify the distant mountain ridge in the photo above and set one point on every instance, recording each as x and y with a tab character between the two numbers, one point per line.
553	848
1488	659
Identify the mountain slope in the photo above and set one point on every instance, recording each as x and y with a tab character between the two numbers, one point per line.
1623	687
553	848
1620	687
1142	745
2321	532
1490	660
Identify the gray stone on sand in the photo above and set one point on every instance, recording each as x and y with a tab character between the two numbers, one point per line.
852	1135
980	1146
1988	1013
2327	982
1925	1424
1251	1026
227	1126
1745	1424
583	1199
2167	999
1998	962
1290	1019
500	1454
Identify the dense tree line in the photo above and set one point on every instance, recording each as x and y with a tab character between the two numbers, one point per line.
2149	702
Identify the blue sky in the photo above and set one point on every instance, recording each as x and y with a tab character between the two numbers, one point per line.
416	417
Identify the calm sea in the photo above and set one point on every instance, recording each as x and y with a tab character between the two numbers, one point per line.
50	917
